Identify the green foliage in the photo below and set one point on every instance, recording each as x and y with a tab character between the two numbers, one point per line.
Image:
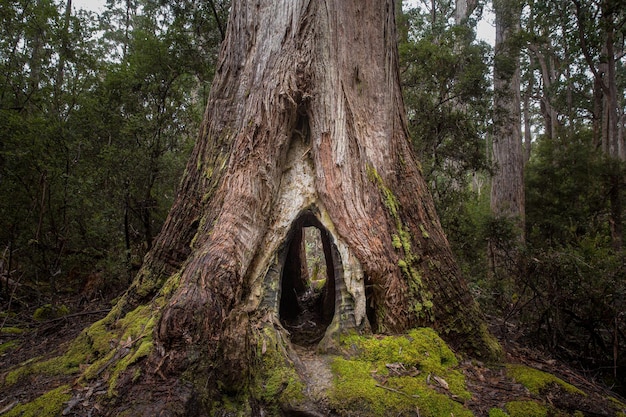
565	191
446	89
574	291
98	115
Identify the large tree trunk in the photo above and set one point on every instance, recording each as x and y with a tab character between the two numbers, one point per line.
304	127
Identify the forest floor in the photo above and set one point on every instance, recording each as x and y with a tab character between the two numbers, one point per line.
490	386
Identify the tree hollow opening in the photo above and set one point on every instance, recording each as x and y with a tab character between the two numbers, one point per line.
307	293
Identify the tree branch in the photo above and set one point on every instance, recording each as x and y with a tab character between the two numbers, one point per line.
220	26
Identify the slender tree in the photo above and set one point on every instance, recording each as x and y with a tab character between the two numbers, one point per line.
507	187
602	57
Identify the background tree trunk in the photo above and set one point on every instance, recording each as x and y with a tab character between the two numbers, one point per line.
463	10
507	184
304	127
607	111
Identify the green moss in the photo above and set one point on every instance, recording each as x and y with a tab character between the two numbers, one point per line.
363	380
100	337
98	366
170	285
103	346
536	380
526	409
136	330
389	200
50	404
401	240
318	285
66	364
419	347
497	412
492	345
48	312
617	402
137	323
275	380
143	350
11	330
150	283
7	346
619	405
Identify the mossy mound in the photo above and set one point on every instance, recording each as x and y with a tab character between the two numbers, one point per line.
49	312
396	375
526	409
96	348
536	380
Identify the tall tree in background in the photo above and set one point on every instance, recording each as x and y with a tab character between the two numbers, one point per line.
602	53
507	184
571	297
444	72
304	127
463	10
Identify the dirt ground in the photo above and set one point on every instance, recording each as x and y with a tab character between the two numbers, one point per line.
489	385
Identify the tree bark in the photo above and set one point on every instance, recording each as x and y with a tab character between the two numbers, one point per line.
304	127
463	10
507	183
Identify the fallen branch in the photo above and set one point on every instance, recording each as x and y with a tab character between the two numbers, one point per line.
9	407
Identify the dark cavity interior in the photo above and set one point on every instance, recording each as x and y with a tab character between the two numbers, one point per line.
307	300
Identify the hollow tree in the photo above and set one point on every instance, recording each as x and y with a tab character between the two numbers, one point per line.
304	128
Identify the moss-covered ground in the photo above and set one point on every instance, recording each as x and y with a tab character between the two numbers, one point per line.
44	363
398	375
414	374
536	380
50	404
